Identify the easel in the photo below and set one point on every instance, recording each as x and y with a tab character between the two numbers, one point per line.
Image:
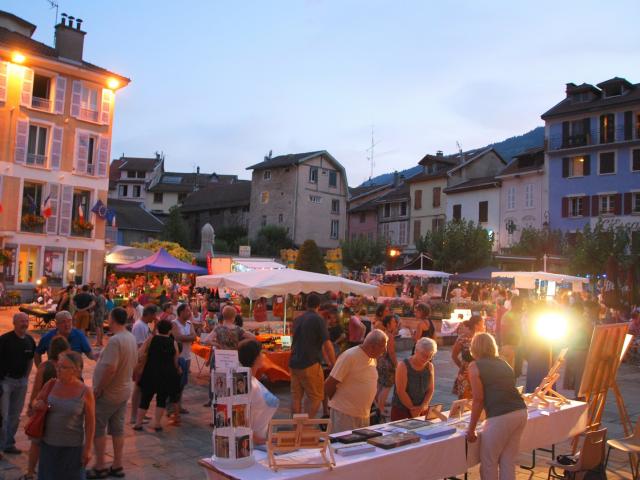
544	393
307	434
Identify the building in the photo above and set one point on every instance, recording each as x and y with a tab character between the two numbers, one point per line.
393	214
134	223
304	192
56	118
523	196
129	176
362	214
592	140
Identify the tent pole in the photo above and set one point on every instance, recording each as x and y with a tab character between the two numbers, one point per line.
284	321
251	309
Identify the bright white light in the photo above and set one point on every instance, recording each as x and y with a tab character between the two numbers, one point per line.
551	325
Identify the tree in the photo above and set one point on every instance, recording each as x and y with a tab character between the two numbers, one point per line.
310	258
536	242
230	237
270	240
593	246
173	248
362	252
458	246
175	228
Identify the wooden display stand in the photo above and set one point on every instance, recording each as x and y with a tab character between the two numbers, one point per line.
544	393
306	434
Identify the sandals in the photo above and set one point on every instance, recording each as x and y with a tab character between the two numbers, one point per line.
116	472
98	473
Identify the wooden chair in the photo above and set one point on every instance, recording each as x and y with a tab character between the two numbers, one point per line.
589	457
629	445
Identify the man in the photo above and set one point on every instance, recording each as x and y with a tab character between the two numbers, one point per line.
17	349
84	303
352	384
183	333
76	338
99	312
310	343
112	389
141	331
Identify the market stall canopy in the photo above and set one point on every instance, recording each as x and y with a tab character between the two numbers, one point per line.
120	255
484	274
419	273
246	264
161	261
267	283
528	279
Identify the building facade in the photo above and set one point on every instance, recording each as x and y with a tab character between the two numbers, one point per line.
305	193
393	215
362	215
56	117
129	176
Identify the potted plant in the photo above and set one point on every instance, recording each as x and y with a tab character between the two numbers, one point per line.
82	227
5	256
32	220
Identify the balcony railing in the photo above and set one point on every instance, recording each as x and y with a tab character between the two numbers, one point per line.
41	103
579	140
37	160
87	114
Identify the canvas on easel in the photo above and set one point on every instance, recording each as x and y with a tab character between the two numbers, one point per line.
545	393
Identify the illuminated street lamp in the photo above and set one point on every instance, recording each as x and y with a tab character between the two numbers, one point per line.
17	57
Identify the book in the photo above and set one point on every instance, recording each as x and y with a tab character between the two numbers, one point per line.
435	431
349	438
394	440
355	449
366	433
411	423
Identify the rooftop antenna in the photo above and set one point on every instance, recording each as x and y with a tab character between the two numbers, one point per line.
460	151
370	157
53	4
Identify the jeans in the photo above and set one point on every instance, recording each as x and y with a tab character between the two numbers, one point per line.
14	391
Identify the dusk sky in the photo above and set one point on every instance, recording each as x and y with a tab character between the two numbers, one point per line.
219	84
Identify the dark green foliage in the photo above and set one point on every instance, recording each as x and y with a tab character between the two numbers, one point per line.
361	252
230	237
175	228
270	240
310	258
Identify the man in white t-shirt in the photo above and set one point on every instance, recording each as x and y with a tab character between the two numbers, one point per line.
352	383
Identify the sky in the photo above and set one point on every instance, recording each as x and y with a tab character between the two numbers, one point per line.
218	84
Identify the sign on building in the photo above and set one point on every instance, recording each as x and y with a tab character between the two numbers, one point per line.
244	251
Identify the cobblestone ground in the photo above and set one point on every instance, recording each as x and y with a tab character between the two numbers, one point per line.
173	453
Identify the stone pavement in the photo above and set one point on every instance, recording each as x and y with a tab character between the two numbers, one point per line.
173	453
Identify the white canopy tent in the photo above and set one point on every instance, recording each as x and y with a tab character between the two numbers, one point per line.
419	273
528	279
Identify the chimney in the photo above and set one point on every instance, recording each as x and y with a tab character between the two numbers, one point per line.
195	179
439	153
69	40
396	179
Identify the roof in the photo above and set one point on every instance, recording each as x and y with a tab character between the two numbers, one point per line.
569	106
420	177
133	216
479	183
450	159
365	207
114	172
474	155
401	192
185	182
530	160
220	195
286	160
139	163
20	21
355	192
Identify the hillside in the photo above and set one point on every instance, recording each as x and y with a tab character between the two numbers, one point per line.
508	149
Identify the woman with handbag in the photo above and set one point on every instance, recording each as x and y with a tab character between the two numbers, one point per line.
69	422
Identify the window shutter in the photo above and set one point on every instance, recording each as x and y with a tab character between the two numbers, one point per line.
53	189
418	200
76	98
565	207
586	126
586	169
61	88
595	205
27	87
103	155
56	147
628	197
22	137
3	81
585	206
82	152
416	231
565	134
436	197
105	109
617	206
565	167
66	203
628	125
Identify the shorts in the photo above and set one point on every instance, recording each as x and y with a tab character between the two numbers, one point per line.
185	365
81	320
308	380
110	418
162	395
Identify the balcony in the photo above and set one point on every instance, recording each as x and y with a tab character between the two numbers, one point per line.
36	160
89	115
579	140
43	104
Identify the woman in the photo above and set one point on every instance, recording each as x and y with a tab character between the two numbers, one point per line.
167	312
263	403
46	371
65	448
415	382
356	328
382	311
494	391
461	354
387	363
64	300
160	374
425	327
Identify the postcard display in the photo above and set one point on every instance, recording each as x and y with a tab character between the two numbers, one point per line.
232	437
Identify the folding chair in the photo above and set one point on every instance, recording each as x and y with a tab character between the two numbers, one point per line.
589	457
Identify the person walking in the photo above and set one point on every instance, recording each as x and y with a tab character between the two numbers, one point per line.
65	448
141	331
17	349
494	391
183	332
64	326
309	344
112	388
415	382
352	383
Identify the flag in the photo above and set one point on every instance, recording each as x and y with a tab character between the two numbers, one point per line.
110	216
33	208
80	213
1	209
46	207
113	222
100	209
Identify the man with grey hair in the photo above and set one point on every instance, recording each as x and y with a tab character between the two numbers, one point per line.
17	348
64	326
353	381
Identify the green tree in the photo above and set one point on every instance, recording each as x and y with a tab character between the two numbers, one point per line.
230	237
175	228
594	245
173	248
270	240
310	258
536	242
362	252
458	246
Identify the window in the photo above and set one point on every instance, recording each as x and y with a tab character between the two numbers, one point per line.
266	175
635	208
313	175
436	196
635	160
387	210
436	224
75	266
483	212
386	233
335	206
578	166
417	234
528	195
363	217
28	264
628	125
333	178
131	174
264	197
37	147
53	266
607	128
182	197
89	104
93	142
607	204
335	229
315	198
402	234
607	163
637	125
141	174
457	212
511	198
280	218
403	209
576	206
417	200
32	220
10	265
41	98
123	190
263	221
136	191
80	214
157	197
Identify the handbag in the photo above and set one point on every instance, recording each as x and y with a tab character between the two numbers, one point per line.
35	426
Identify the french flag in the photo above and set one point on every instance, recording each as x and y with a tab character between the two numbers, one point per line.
46	207
80	213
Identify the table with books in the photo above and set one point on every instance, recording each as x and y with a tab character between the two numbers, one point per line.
439	451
